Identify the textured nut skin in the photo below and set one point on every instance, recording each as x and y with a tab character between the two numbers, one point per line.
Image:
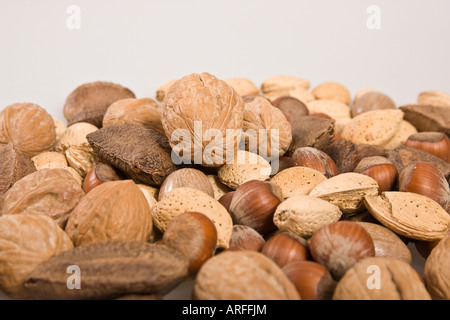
405	129
25	242
409	214
29	128
347	191
242	275
428	117
332	91
398	281
194	235
141	153
246	166
245	238
372	100
243	86
13	167
89	101
362	92
291	107
339	245
112	211
60	127
202	99
332	108
297	181
303	215
218	187
188	178
435	143
284	248
387	243
49	159
374	127
51	192
437	272
100	173
382	170
315	159
266	129
277	86
161	91
182	200
145	112
109	270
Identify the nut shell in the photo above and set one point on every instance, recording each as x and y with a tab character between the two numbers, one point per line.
332	91
372	100
435	143
315	159
437	272
245	238
186	177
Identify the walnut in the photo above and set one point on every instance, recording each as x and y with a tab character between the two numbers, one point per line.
25	242
53	192
266	127
112	211
145	112
74	145
29	128
207	112
437	271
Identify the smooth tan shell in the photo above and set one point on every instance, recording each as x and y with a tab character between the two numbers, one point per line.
182	200
346	190
245	167
283	82
434	98
332	91
161	91
297	180
437	271
112	211
29	128
409	214
335	109
188	178
242	275
201	104
27	240
374	127
219	188
243	86
362	92
405	129
398	281
387	243
303	215
266	128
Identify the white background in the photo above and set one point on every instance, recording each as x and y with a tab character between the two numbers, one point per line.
143	44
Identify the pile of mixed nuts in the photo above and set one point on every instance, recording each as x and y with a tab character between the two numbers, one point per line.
277	192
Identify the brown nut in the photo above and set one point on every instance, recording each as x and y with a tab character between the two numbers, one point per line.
254	204
112	211
437	272
380	278
281	85
428	117
382	170
28	127
145	112
312	280
332	91
339	245
186	177
26	241
13	167
424	247
331	109
434	98
194	235
242	275
291	107
315	159
100	173
372	101
89	101
245	238
225	200
387	243
435	143
284	248
425	179
51	192
267	132
196	106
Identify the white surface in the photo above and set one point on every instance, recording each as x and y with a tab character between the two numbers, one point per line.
142	44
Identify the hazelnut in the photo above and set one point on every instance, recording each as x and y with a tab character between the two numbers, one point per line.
312	280
372	101
28	127
100	173
425	179
194	235
339	245
186	177
254	203
332	91
435	143
225	200
382	170
245	238
284	248
315	159
145	112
